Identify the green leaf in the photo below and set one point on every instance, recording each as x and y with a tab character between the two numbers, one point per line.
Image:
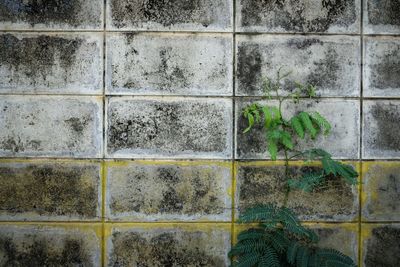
307	182
250	119
286	140
321	122
329	165
272	147
297	127
307	123
267	117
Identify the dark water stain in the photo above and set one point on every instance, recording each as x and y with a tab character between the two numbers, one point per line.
383	247
257	12
391	192
34	57
387	117
163	249
39	252
41	11
386	71
78	125
249	65
164	12
383	12
303	44
49	190
325	71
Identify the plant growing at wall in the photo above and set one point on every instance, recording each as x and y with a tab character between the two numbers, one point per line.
279	239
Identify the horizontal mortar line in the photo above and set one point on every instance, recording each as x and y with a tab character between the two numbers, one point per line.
49	94
50	222
379	222
112	222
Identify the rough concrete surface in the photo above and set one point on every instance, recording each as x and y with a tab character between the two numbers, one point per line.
342	16
50	190
381	191
168	246
265	182
343	115
68	63
180	191
41	245
45	126
381	67
178	15
331	63
51	15
382	16
169	64
155	127
381	129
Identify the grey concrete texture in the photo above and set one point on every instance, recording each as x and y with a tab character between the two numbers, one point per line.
169	64
43	245
180	15
66	63
266	183
169	191
50	190
381	66
381	245
381	193
51	15
381	139
298	16
381	17
331	63
51	126
174	127
168	246
343	115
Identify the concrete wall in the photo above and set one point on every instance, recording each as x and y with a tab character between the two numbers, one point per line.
121	137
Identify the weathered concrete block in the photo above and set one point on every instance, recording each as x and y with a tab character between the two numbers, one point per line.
53	15
382	66
50	126
265	182
174	64
49	190
169	190
44	245
381	129
168	245
331	63
51	63
198	15
298	16
381	193
343	141
381	16
380	245
155	127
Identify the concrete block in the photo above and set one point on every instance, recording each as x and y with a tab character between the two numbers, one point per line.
169	64
265	182
343	115
51	63
169	190
381	66
298	16
168	245
44	126
381	191
156	127
45	245
381	129
49	190
53	15
181	15
331	63
380	245
381	16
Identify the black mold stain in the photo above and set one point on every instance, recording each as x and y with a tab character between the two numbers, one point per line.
167	126
34	57
391	192
303	43
384	12
383	247
249	64
385	72
163	249
387	117
78	125
325	71
39	252
44	12
48	191
164	12
289	14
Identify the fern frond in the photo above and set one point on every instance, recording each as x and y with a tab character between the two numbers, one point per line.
307	123
278	240
251	234
332	257
270	258
302	257
272	146
292	252
307	182
321	122
296	125
286	140
258	214
337	168
250	119
247	260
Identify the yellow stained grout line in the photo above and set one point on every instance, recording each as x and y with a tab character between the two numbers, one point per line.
103	203
200	162
361	172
